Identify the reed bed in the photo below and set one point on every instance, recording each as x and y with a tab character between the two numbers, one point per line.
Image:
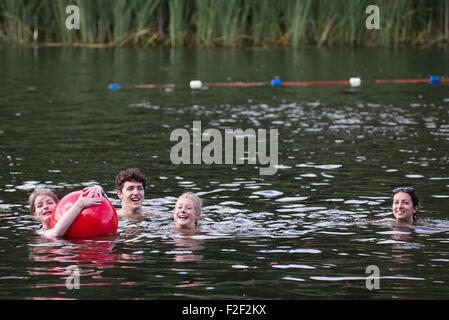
225	23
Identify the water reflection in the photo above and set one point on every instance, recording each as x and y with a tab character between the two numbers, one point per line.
186	248
90	256
402	257
186	251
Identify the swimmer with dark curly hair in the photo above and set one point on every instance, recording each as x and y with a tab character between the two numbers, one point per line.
130	184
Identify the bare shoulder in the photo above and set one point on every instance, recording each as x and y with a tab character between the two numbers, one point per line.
149	212
383	220
46	232
432	225
211	231
134	216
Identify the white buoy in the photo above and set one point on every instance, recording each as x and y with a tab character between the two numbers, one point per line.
195	84
354	82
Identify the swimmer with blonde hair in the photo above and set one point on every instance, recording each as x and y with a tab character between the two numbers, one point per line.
43	201
187	211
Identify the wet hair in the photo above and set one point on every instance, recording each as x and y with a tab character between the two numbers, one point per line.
197	202
133	175
411	192
40	192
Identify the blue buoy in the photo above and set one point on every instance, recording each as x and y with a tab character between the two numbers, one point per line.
275	82
114	86
434	80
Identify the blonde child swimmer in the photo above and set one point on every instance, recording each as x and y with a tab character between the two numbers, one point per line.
43	201
187	212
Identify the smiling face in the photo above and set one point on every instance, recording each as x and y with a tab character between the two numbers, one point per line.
44	206
403	208
185	214
131	195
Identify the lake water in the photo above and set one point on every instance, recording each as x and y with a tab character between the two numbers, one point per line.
305	232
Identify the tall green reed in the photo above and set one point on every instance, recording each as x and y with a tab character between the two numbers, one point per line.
234	23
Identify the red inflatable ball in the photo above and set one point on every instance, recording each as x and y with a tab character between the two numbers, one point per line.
92	221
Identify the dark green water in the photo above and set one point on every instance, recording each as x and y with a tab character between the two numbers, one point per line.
299	234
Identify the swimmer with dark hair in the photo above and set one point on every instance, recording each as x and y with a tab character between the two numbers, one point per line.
405	204
130	185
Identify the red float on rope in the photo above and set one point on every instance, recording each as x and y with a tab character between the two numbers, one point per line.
152	86
315	83
234	84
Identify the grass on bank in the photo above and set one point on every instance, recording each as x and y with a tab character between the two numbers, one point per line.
229	23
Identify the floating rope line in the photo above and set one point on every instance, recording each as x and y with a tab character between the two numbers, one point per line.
314	83
353	82
148	86
431	80
229	84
